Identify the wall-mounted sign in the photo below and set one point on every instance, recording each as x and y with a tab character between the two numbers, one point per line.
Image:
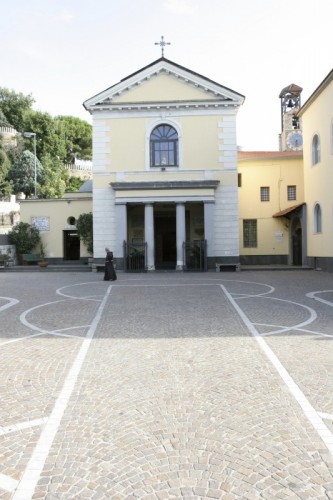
41	223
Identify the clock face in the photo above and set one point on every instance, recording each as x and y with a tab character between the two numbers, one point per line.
295	140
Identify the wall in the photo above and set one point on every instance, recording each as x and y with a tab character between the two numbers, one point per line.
318	119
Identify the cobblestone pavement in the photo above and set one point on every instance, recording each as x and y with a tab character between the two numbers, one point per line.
166	385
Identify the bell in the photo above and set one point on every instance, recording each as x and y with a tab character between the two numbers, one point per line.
290	104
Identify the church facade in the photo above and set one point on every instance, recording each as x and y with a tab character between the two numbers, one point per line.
165	181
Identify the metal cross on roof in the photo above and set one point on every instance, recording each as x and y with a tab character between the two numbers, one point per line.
162	44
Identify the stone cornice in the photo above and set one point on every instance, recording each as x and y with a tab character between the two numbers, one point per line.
130	186
153	106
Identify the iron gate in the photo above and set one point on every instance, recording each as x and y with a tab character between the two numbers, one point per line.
135	257
195	255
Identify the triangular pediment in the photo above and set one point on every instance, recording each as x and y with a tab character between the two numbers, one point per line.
164	83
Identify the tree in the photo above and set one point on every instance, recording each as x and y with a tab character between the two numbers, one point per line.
14	107
22	173
73	183
48	140
25	237
77	135
5	184
54	184
84	226
3	120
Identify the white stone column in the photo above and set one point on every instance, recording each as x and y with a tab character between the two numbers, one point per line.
209	208
180	235
149	236
121	230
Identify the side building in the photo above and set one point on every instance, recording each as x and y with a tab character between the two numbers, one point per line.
272	212
56	219
317	120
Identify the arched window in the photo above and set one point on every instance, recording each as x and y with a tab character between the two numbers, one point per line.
317	218
164	147
315	150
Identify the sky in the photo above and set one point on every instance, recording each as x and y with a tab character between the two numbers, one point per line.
63	52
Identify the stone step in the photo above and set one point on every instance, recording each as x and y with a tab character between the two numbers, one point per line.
84	268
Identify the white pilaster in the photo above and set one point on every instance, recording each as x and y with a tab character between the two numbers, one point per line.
180	234
121	224
209	209
149	236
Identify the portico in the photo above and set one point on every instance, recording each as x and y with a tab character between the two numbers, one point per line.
164	222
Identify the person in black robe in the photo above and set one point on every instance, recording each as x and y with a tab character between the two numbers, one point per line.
110	273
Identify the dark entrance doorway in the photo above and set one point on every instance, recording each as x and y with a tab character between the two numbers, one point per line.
165	239
71	245
297	247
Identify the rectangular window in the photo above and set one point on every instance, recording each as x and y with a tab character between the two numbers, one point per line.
250	233
239	180
264	193
291	193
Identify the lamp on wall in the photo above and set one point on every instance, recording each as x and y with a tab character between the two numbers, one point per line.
29	135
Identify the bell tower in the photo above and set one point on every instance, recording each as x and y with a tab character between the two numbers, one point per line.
291	138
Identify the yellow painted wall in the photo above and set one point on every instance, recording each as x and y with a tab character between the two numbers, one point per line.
277	174
128	142
318	119
162	87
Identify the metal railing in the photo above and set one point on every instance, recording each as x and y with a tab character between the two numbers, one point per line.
195	255
135	257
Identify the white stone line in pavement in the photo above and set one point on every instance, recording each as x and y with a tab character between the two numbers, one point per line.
56	333
22	425
327	416
313	316
20	338
290	328
30	478
7	483
11	303
313	295
308	410
59	290
26	323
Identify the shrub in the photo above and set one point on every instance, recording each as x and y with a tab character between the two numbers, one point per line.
84	226
25	237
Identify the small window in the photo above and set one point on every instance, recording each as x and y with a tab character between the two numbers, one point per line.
71	221
264	193
164	147
250	233
315	150
317	219
291	193
239	180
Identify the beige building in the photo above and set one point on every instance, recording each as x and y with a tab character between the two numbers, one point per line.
56	219
165	169
272	227
317	120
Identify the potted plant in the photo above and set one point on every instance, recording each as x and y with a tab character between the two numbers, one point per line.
42	262
4	259
25	237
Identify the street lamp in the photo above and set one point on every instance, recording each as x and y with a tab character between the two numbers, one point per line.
29	135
